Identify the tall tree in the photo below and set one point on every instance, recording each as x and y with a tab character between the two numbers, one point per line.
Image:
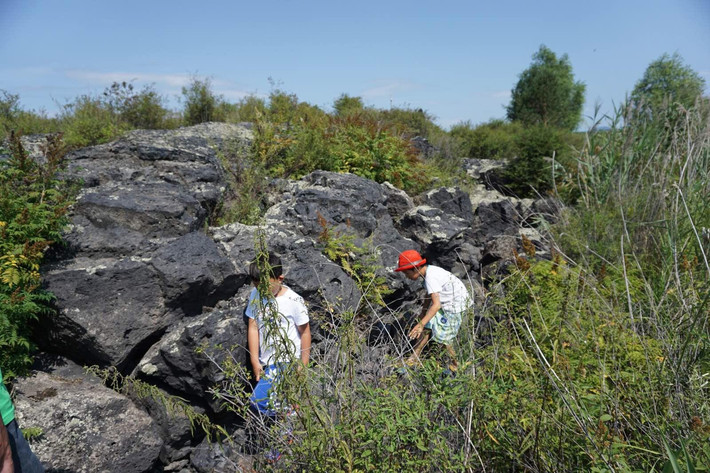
547	94
667	80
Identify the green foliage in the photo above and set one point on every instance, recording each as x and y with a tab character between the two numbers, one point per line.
359	261
142	109
13	118
248	109
547	94
412	122
247	183
496	139
201	104
90	121
33	204
637	229
347	105
300	140
667	80
530	172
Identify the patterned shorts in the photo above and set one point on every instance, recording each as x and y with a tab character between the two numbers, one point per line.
444	326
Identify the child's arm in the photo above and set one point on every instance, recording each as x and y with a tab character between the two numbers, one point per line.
432	304
6	465
305	331
253	345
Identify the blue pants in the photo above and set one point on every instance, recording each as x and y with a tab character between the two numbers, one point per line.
264	399
22	456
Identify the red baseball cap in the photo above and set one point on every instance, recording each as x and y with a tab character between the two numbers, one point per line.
410	259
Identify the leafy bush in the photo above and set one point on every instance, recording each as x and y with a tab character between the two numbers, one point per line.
248	109
493	140
412	122
247	181
665	81
346	105
33	205
201	104
355	144
530	172
13	118
142	109
90	121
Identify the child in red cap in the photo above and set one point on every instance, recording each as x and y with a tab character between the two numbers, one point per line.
443	309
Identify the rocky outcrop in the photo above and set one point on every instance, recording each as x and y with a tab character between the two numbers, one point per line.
85	426
145	284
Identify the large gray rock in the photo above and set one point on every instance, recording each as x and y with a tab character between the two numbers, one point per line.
111	310
136	259
108	309
347	205
154	210
450	200
431	226
175	364
323	284
86	427
195	273
185	157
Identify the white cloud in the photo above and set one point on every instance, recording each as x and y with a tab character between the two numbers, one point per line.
103	78
167	83
387	89
501	94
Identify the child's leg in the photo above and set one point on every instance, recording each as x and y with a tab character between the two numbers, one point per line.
454	365
419	346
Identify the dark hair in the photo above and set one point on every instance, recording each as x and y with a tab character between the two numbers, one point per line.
271	264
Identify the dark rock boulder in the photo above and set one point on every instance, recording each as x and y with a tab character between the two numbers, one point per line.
135	259
108	310
493	218
322	283
175	364
345	204
450	200
195	273
431	226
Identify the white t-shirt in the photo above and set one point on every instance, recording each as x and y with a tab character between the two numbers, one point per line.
292	312
452	292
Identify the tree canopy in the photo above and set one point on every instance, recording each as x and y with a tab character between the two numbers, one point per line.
547	94
666	80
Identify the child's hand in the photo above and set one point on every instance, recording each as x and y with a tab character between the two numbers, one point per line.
416	332
258	371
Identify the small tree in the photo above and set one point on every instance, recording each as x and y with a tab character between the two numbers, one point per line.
345	105
547	94
201	104
142	109
667	80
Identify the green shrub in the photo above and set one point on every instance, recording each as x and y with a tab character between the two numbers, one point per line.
530	172
546	93
413	122
347	105
33	205
90	121
493	140
142	109
353	144
13	118
247	182
248	109
201	104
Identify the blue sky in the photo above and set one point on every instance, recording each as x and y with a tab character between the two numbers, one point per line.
456	59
